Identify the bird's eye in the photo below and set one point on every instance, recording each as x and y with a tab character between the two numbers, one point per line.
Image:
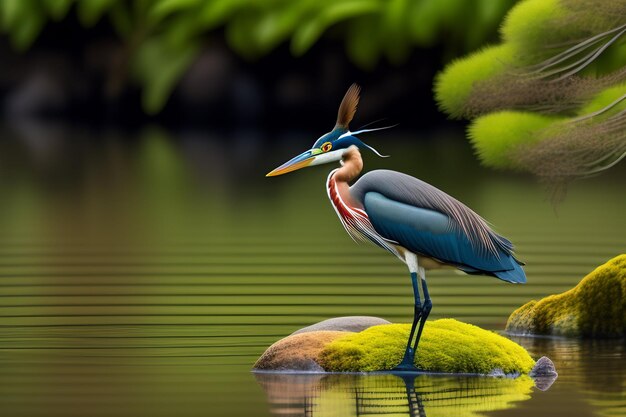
327	147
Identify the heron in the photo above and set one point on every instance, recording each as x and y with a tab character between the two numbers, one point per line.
418	223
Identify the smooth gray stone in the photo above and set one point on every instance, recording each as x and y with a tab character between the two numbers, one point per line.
543	368
353	324
544	373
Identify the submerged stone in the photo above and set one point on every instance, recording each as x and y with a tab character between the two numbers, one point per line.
344	324
446	345
596	307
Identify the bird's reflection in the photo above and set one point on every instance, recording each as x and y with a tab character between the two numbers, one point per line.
318	395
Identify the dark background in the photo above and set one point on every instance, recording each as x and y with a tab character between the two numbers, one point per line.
68	74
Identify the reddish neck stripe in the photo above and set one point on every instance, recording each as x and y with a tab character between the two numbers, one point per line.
354	220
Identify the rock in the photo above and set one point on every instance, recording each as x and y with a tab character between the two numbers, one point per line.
446	345
544	373
497	372
344	324
543	368
297	352
596	307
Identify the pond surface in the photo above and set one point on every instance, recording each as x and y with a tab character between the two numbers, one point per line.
143	274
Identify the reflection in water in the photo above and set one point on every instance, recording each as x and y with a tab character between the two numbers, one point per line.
596	366
360	395
543	383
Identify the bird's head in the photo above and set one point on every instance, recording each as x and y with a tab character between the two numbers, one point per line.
331	146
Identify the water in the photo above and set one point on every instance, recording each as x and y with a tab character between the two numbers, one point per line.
143	274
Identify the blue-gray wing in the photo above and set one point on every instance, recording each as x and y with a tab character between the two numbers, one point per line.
431	233
417	193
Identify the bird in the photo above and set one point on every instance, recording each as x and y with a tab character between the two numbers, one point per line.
418	223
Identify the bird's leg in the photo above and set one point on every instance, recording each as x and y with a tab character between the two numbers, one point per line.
407	363
426	307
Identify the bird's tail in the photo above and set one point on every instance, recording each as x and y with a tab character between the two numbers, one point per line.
515	275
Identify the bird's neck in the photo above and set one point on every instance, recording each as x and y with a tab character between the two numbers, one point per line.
352	166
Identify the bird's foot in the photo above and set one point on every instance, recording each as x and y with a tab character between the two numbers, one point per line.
407	364
402	368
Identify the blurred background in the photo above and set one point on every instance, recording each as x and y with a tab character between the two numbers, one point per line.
231	64
145	260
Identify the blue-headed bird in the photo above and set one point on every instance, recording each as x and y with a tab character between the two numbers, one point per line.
420	224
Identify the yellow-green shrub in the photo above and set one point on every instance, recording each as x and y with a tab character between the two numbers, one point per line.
495	135
528	21
605	98
447	345
453	85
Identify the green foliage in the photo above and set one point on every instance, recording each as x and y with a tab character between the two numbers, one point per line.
528	141
528	22
541	100
90	11
453	86
495	135
533	22
165	35
310	31
24	19
605	98
171	60
447	345
596	307
57	9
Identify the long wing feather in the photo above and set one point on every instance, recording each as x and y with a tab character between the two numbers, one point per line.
408	190
431	233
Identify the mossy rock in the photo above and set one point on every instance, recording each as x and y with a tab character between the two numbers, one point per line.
596	307
446	345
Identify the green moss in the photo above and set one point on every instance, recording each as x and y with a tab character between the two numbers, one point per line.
454	85
446	345
525	314
596	307
495	135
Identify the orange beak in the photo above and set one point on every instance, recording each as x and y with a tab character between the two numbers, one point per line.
294	164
